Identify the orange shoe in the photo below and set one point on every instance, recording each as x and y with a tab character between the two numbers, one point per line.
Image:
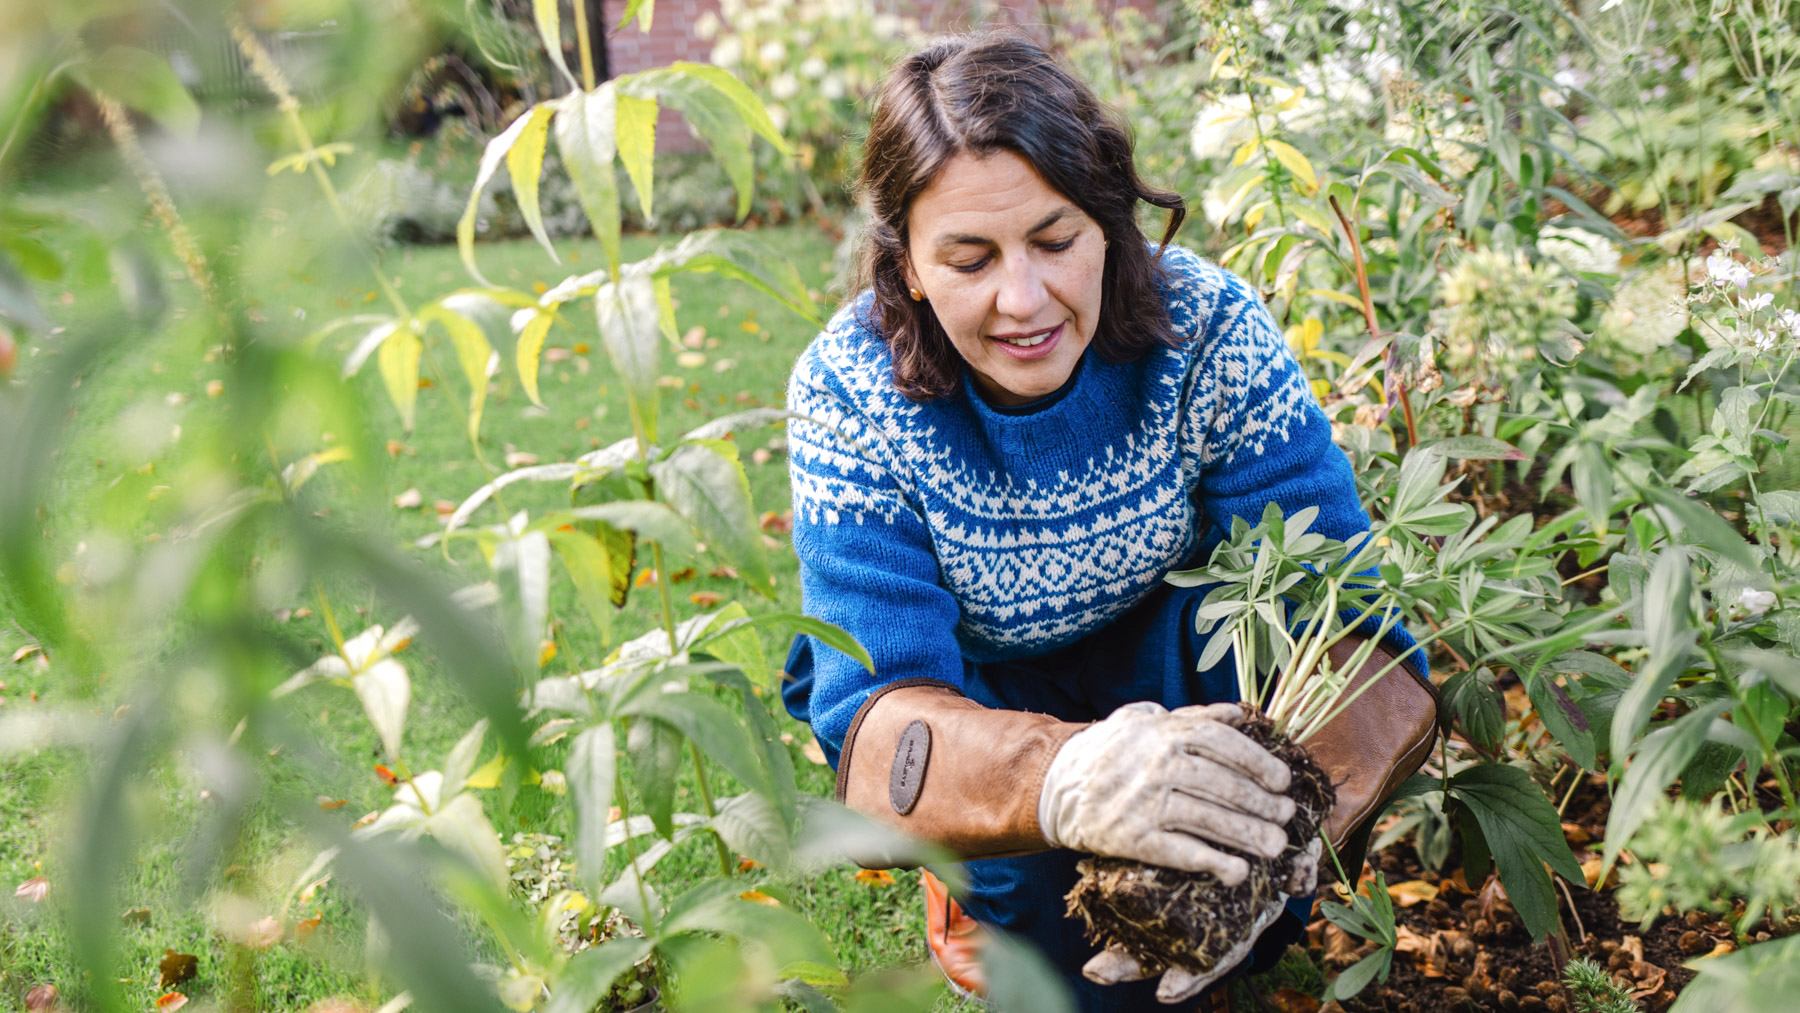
954	939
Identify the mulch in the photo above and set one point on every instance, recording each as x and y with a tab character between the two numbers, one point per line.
1464	948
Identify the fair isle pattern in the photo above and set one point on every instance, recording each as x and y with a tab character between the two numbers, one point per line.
1024	533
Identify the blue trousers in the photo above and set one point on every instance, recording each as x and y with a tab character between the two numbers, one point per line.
1149	653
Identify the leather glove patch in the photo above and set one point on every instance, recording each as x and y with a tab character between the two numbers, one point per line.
907	777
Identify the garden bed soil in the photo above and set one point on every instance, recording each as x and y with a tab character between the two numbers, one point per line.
1464	948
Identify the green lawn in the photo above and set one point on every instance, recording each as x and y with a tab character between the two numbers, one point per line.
748	343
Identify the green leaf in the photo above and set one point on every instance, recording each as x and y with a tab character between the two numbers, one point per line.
490	163
1020	978
1424	186
472	353
548	15
1563	719
1475	700
1659	760
636	132
589	769
708	725
1523	832
643	10
727	639
398	360
653	522
143	81
525	163
629	331
752	825
655	751
728	425
1704	527
529	348
1668	618
17	302
741	97
715	906
712	115
1357	976
710	489
461	825
591	973
590	569
461	759
742	256
585	137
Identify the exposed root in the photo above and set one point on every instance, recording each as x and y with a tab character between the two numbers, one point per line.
1165	917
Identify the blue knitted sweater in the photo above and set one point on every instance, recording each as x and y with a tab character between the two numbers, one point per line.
943	530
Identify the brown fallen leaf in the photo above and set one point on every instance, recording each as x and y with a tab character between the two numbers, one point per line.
1632	946
387	776
25	652
261	933
685	573
777	523
1291	1000
395	448
1575	833
33	890
706	599
613	813
328	804
813	751
521	459
41	998
1412	891
411	499
761	455
136	916
443	508
304	928
875	877
215	387
311	890
1590	871
176	968
170	1002
745	863
758	897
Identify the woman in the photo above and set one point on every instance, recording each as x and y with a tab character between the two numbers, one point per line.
1030	417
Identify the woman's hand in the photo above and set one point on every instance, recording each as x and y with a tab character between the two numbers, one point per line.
1157	786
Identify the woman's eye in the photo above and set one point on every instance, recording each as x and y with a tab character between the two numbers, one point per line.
970	268
1060	247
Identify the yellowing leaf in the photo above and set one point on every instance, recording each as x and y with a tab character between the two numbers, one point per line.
1295	162
472	353
530	348
1244	151
549	25
398	360
576	902
525	163
25	652
875	877
170	1002
546	652
635	130
488	774
758	897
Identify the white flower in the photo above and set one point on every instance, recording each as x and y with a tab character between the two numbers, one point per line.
706	25
1758	303
785	87
1755	602
1763	341
814	67
728	52
772	52
1647	311
886	25
1579	250
1790	320
832	87
1221	127
778	115
1724	271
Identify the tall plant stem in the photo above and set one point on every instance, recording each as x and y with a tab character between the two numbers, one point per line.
1368	308
706	803
583	44
631	855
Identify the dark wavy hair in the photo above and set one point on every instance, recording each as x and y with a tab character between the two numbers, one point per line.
983	94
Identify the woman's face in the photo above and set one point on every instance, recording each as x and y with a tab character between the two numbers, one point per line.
1012	268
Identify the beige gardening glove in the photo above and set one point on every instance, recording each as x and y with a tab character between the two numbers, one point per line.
1112	966
1157	786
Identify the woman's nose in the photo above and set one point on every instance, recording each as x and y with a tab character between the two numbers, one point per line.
1022	294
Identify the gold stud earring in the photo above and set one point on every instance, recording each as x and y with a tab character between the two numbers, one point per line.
917	296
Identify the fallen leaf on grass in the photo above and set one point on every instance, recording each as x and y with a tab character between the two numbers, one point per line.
136	916
170	1002
706	599
1412	891
758	897
777	523
25	652
875	877
41	998
1290	1000
761	455
411	499
546	652
328	804
521	459
304	928
1590	871
387	776
311	889
215	387
745	864
33	890
813	751
1575	833
443	508
395	448
177	967
613	813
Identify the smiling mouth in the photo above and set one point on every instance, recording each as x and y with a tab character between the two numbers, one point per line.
1027	340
